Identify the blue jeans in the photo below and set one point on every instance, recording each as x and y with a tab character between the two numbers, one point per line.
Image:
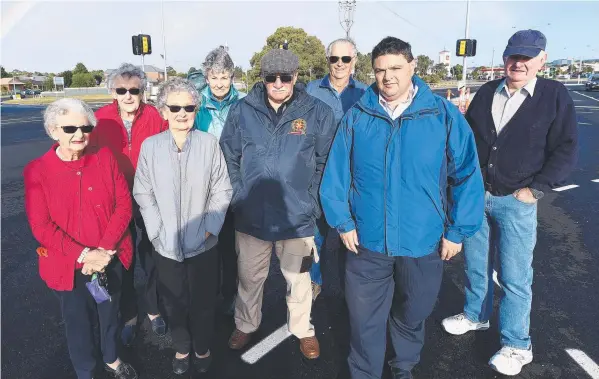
505	241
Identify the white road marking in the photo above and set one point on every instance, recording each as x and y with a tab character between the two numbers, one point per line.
565	188
259	350
584	361
595	180
496	280
584	123
590	97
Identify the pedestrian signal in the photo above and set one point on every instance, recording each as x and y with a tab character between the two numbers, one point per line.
465	48
142	44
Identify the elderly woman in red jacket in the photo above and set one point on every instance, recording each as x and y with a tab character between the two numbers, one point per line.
79	208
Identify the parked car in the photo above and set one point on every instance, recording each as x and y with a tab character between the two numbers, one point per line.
593	82
564	76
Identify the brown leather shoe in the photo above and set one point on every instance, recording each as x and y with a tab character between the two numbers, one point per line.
239	339
310	347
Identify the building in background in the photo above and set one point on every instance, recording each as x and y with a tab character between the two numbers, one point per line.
11	85
445	58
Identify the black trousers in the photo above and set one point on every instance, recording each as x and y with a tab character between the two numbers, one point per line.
81	314
188	290
398	293
228	258
144	251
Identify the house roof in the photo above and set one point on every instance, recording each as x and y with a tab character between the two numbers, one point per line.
147	68
10	81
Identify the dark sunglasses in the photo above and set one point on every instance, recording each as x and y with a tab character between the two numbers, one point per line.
344	59
132	91
73	129
177	108
285	78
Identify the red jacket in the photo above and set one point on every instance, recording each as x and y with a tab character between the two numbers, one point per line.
73	205
110	132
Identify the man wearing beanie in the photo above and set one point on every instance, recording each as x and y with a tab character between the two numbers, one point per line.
276	142
526	136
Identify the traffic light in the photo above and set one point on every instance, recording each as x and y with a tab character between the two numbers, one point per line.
142	44
465	48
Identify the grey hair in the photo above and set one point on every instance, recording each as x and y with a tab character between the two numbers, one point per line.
176	84
127	70
342	40
63	107
217	61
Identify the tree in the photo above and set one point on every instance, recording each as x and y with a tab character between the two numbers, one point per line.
585	69
48	83
363	68
171	72
192	69
3	72
80	69
457	71
423	63
309	49
83	80
68	77
238	72
440	70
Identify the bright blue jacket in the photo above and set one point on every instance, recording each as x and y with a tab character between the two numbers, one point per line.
404	184
339	102
212	114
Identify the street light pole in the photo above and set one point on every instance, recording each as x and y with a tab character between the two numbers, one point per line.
466	36
493	65
163	39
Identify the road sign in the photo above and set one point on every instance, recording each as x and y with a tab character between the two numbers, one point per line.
58	81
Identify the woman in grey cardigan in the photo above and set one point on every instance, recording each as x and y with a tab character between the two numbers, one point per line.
183	190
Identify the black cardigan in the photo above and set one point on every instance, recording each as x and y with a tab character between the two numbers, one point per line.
537	148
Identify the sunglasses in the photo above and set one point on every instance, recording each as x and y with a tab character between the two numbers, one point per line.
73	129
177	108
344	59
132	91
285	78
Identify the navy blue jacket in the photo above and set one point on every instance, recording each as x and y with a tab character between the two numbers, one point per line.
276	169
404	184
537	148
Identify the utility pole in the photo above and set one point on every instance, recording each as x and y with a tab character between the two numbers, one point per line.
493	65
346	15
163	40
466	37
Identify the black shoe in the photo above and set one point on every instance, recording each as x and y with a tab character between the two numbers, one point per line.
158	326
123	371
180	366
128	334
202	364
397	373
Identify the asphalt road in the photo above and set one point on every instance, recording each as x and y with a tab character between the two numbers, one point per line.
564	313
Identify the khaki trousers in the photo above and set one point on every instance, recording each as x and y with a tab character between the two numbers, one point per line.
253	263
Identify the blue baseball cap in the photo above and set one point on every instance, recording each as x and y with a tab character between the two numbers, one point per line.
526	42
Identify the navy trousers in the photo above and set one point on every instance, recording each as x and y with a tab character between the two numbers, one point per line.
81	314
382	292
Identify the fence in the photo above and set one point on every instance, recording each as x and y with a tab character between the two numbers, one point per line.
68	92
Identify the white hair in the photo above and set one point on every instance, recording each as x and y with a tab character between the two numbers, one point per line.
218	61
127	71
176	84
63	107
342	40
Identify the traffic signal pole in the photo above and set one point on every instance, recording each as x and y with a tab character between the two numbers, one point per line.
466	37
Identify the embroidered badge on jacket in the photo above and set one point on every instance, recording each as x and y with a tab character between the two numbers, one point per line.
298	127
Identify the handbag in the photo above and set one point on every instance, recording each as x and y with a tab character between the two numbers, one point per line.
98	287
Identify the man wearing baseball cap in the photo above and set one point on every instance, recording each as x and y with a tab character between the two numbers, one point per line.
276	142
526	136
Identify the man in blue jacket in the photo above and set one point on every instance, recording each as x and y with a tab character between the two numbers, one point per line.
526	134
276	142
403	188
339	90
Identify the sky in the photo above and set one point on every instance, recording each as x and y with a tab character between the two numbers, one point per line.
52	36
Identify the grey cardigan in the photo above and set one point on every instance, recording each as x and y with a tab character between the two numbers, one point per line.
182	195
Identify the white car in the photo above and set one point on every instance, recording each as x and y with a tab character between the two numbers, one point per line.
564	76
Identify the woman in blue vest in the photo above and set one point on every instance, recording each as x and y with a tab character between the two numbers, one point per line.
217	98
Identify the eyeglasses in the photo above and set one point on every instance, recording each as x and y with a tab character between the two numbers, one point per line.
285	78
345	59
177	108
73	129
132	91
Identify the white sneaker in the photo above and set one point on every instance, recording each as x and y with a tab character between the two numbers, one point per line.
459	324
509	361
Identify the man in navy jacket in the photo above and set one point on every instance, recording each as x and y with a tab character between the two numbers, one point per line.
526	136
403	188
276	141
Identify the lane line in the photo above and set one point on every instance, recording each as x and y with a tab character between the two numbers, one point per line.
590	97
595	180
565	188
259	350
584	361
584	123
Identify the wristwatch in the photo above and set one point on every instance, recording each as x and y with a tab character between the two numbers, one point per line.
536	193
